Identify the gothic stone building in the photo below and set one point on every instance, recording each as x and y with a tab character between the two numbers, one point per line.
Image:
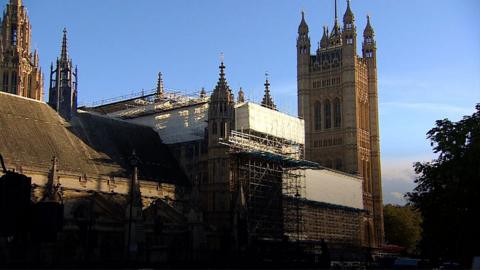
243	191
19	68
338	99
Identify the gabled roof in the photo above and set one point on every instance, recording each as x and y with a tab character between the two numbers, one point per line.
31	133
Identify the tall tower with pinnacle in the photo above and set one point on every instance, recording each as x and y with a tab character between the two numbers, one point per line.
20	70
338	99
216	192
63	84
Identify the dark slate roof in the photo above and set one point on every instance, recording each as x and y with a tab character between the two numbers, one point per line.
31	133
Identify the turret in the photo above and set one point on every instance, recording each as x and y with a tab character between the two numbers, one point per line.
63	84
303	44
369	48
267	100
220	110
303	62
349	29
241	96
203	93
160	87
324	42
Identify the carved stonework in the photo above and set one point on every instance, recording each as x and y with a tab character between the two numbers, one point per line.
20	71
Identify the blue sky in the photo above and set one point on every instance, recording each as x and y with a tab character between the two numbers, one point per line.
428	56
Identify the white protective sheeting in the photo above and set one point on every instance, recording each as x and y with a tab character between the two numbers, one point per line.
251	116
177	125
323	185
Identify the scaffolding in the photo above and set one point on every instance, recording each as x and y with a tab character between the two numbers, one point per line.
144	102
270	186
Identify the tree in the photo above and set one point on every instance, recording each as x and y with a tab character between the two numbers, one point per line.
402	226
448	191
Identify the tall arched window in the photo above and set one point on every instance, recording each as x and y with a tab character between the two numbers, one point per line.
222	130
337	113
317	115
214	128
5	82
328	114
14	82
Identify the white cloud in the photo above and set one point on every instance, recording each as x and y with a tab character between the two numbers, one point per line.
397	195
398	178
398	170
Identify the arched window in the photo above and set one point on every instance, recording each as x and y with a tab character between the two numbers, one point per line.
222	130
14	35
5	81
214	128
337	113
328	114
14	82
317	115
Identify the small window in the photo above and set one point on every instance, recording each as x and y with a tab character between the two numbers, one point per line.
14	35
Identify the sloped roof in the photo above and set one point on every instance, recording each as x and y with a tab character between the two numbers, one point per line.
31	133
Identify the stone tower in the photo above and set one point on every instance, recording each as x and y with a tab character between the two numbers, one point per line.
338	99
19	68
217	189
63	84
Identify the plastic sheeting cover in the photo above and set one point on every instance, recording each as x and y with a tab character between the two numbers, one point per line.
334	188
255	117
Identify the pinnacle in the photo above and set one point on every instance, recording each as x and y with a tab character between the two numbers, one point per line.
64	54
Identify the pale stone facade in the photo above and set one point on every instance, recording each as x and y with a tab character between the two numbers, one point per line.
338	99
20	70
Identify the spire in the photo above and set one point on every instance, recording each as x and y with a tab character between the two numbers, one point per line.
267	99
203	93
368	32
241	96
324	41
336	28
52	188
303	27
336	17
222	90
35	58
64	54
160	88
348	17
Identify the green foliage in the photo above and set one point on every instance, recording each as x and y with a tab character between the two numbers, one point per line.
402	226
448	191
